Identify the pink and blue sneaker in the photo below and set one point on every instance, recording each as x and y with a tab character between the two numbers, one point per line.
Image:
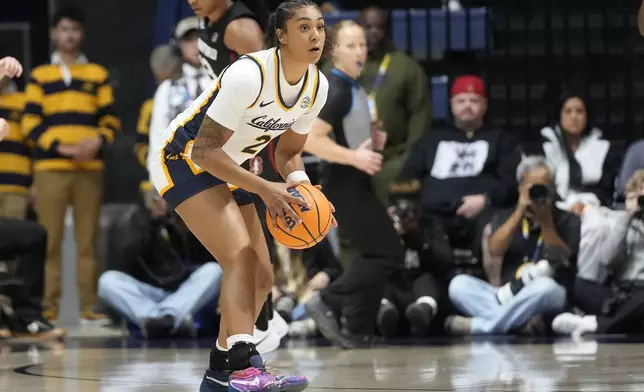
255	378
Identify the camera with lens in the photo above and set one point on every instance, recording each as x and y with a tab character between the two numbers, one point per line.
539	194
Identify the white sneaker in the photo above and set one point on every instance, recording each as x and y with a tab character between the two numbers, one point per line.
302	328
270	343
278	324
259	335
572	324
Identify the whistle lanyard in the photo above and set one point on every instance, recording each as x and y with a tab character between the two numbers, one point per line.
525	230
371	99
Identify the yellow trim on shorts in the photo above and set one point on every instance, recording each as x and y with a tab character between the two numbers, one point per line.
192	116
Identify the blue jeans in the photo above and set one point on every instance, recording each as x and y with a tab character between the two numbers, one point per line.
139	301
477	299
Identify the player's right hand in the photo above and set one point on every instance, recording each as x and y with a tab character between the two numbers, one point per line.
366	159
277	199
10	67
4	128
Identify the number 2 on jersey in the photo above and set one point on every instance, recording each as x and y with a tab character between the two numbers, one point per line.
254	148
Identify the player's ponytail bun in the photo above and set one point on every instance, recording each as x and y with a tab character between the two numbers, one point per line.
270	40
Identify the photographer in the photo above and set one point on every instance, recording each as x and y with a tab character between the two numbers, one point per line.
534	241
166	276
617	249
418	290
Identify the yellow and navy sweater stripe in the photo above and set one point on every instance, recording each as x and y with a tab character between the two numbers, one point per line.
15	164
57	113
143	138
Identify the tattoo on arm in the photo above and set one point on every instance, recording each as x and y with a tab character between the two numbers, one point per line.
211	136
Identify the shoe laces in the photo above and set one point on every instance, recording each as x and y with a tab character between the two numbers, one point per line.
268	368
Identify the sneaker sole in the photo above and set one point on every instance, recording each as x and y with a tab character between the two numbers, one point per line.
290	388
293	388
207	387
388	323
419	322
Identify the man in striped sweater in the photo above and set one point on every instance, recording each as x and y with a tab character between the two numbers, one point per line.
15	165
69	118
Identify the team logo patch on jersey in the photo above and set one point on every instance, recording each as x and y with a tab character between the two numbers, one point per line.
256	165
306	102
214	37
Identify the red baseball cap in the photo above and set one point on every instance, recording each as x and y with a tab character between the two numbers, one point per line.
468	84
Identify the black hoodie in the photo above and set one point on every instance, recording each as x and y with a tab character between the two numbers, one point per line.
451	165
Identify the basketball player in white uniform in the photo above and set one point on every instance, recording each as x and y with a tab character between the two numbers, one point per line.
197	170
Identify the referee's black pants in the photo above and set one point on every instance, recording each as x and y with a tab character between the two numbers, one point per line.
25	242
364	220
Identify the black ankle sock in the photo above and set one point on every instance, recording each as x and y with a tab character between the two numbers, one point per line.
218	360
240	354
262	319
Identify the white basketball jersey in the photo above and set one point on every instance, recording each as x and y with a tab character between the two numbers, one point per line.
267	117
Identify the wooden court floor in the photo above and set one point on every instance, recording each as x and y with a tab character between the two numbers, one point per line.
115	365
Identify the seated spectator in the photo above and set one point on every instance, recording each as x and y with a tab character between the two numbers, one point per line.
298	275
466	169
21	311
534	235
617	250
414	292
633	161
166	277
585	164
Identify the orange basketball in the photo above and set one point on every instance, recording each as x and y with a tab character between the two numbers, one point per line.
316	221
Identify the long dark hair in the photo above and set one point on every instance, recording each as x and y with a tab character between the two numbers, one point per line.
282	14
574	168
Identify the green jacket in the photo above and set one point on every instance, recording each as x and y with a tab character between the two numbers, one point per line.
402	100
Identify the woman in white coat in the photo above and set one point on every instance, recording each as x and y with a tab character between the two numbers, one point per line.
585	164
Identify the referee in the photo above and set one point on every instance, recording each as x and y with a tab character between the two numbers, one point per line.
353	159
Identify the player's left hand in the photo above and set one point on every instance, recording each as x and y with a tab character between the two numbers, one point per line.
472	205
333	221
